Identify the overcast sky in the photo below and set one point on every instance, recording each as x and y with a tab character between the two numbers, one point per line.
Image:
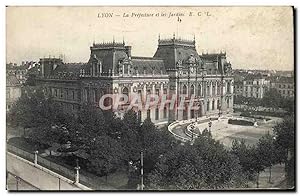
253	37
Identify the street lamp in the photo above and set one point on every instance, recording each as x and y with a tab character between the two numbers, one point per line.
209	124
142	171
199	110
192	129
219	106
77	168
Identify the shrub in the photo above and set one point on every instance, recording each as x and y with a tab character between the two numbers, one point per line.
248	114
240	122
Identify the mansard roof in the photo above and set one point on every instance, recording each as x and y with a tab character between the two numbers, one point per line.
69	67
149	65
286	80
174	50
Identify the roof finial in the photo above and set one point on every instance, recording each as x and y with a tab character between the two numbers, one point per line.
113	39
173	35
123	40
159	37
194	38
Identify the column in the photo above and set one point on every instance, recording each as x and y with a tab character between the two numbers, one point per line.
36	157
77	175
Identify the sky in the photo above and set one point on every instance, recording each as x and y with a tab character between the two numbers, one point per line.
253	37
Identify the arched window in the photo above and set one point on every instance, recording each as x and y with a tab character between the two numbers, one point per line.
192	89
148	114
139	115
228	87
165	112
213	105
199	90
125	91
228	102
156	113
213	89
184	89
207	105
218	104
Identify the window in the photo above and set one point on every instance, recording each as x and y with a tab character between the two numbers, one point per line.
208	90
94	93
156	114
192	113
228	87
165	91
157	92
61	93
73	95
184	89
55	92
148	92
199	90
139	115
207	105
140	93
213	105
218	104
228	102
125	91
279	85
125	69
148	113
165	112
192	90
213	89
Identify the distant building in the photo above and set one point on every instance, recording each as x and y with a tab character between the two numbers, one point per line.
175	69
252	86
284	86
13	90
238	88
255	87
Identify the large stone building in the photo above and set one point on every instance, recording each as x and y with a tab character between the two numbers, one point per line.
252	87
284	86
175	69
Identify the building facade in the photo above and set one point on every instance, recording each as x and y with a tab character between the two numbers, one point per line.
256	87
13	90
284	86
176	70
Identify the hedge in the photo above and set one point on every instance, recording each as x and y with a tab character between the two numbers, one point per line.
240	122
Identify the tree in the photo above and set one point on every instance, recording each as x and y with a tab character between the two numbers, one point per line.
37	111
249	158
204	165
106	155
285	139
154	144
266	152
272	99
131	136
288	104
91	124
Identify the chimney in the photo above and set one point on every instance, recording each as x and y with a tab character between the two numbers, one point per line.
128	51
